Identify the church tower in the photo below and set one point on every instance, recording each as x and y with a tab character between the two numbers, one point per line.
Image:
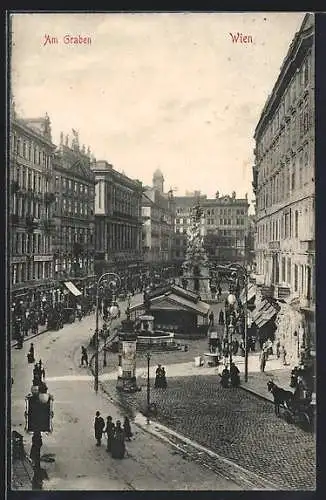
158	181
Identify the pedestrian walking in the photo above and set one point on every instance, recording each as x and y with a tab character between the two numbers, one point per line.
219	346
221	318
283	354
109	431
99	425
164	382
84	357
31	354
118	442
158	377
36	449
235	347
211	319
262	359
37	375
278	349
127	428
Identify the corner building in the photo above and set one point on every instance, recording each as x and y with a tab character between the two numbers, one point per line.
30	211
284	186
118	221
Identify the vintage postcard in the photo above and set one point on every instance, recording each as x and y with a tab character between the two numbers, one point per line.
161	250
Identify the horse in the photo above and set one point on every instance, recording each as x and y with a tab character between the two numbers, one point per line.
281	396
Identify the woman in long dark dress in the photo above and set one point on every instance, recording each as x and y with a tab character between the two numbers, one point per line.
158	377
118	448
127	428
109	431
163	379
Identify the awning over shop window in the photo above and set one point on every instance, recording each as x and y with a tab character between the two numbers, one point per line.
250	295
265	313
71	287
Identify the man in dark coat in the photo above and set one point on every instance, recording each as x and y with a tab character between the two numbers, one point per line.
99	425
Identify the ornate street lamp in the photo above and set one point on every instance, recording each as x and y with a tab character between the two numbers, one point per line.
114	285
38	419
113	312
231	299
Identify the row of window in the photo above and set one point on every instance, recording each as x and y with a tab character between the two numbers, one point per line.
120	237
28	271
69	234
24	207
289	179
28	150
74	207
287	225
289	137
65	184
36	243
126	202
297	276
299	83
29	178
227	222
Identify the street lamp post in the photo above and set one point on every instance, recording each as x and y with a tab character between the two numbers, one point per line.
38	417
231	301
246	327
113	284
148	355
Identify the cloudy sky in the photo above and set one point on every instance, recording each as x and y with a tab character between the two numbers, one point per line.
169	91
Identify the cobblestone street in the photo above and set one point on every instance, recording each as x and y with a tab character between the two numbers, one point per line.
235	424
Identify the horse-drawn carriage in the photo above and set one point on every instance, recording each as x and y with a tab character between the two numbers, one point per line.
297	408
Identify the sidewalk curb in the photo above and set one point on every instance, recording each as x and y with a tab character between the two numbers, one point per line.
30	337
255	393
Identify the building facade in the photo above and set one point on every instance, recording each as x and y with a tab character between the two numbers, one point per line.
73	214
118	219
284	183
224	226
30	210
158	215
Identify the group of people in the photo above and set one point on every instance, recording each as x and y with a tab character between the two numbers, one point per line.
115	433
267	349
160	378
224	347
231	376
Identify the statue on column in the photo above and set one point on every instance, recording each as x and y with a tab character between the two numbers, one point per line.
75	139
195	266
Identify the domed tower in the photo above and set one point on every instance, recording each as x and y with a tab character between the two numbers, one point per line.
158	181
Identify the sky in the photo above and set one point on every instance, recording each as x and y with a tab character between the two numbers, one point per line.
167	90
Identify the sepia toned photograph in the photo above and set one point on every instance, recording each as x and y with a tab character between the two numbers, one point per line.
161	251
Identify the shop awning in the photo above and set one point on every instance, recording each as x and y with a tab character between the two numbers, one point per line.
265	313
250	294
71	287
